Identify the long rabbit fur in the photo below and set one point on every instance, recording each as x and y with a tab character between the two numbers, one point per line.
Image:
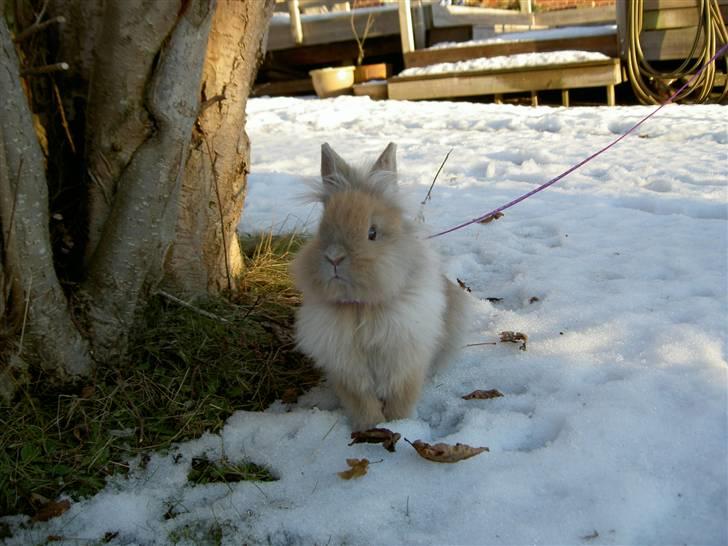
378	315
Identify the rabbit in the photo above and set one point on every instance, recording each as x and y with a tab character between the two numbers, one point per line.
378	315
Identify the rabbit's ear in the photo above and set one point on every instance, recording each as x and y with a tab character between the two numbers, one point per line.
387	161
332	164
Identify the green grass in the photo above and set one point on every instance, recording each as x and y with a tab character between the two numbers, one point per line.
185	373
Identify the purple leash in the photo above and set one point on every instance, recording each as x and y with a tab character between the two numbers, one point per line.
584	161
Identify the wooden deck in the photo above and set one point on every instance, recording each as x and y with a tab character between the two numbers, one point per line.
602	73
607	44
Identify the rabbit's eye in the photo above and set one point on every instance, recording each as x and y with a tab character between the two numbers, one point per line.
372	233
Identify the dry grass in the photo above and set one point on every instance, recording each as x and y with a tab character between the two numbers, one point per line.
186	373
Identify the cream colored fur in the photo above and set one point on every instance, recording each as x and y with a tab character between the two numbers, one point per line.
377	315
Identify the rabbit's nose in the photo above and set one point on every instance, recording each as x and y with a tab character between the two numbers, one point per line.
334	255
335	260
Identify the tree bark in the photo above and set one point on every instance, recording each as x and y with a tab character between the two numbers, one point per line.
213	190
47	326
141	220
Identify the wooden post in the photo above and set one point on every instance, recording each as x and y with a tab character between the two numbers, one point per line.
498	98
611	100
296	27
565	97
405	26
534	98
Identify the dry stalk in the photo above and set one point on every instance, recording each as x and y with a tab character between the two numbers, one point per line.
360	40
187	305
429	192
219	208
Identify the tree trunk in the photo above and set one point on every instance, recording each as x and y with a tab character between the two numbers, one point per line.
214	184
129	102
36	296
140	221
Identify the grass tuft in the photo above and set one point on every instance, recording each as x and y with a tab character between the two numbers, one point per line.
205	471
186	373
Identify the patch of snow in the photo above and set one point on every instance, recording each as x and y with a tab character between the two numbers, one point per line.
612	428
521	60
535	35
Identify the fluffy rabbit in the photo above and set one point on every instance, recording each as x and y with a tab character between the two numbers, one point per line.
377	313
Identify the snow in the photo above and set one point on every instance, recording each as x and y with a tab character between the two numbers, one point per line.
535	35
501	62
612	428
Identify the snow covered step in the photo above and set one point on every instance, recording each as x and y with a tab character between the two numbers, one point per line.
450	81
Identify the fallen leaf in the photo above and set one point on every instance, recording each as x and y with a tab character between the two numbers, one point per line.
445	453
494	300
357	469
462	285
534	299
290	396
51	509
594	535
483	395
515	337
383	436
489	219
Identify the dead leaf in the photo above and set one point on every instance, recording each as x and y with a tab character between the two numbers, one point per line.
51	509
383	436
88	391
594	535
290	396
483	395
489	219
494	300
534	299
358	468
462	285
515	337
445	453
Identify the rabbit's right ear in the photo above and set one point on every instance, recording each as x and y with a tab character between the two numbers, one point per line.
332	166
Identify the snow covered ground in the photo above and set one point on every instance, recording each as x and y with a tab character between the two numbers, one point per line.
519	60
613	426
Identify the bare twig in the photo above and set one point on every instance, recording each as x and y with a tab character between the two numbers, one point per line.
15	204
480	344
209	102
64	121
219	207
365	33
46	69
429	192
191	307
38	27
25	315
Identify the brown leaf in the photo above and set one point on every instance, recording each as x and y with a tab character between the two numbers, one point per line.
515	337
483	395
358	468
88	391
51	509
290	396
489	219
383	436
445	453
462	285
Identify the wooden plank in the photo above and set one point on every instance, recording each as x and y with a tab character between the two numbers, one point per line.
670	18
668	4
336	27
663	45
449	34
405	26
294	13
606	44
466	84
284	88
579	16
454	16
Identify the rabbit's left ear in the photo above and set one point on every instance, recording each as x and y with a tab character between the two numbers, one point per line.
387	161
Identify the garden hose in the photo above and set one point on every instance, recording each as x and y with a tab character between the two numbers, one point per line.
653	86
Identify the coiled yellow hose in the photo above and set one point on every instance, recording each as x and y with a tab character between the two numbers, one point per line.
653	86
